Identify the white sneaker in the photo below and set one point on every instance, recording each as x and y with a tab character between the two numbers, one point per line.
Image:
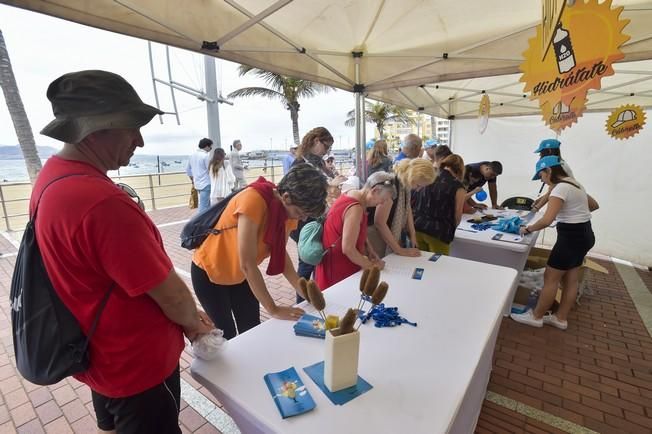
527	318
551	319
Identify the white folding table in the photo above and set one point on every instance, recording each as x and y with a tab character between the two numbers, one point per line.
426	379
511	251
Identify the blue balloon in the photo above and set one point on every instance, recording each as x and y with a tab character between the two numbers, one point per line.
481	195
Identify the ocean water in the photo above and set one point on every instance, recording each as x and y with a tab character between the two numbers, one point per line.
15	170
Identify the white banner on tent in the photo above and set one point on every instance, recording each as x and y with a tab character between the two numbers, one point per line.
616	173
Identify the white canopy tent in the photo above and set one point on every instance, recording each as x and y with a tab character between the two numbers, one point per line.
398	45
435	56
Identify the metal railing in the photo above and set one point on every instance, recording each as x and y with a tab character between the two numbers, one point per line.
156	190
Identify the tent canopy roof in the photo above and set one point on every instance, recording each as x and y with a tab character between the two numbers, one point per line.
403	44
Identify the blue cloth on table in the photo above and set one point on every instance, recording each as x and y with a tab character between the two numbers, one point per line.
511	225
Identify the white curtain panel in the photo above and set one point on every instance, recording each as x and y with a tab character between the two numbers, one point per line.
617	173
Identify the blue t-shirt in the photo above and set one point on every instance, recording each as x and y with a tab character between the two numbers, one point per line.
287	162
400	157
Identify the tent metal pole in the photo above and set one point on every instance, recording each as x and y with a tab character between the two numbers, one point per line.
288	41
174	99
252	21
151	69
360	160
414	104
145	15
212	108
437	103
451	121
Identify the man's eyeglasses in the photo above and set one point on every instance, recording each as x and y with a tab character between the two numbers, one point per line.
132	194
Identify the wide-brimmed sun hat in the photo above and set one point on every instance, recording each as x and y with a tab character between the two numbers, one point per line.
84	102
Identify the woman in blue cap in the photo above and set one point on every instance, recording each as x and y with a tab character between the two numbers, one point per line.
571	206
550	147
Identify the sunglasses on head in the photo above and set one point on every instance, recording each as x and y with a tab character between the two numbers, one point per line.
386	182
131	193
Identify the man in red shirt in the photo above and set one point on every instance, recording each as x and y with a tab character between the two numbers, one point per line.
93	237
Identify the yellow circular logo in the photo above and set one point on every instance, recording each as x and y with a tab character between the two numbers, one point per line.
585	43
626	121
483	113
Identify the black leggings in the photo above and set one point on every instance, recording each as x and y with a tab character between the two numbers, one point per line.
224	302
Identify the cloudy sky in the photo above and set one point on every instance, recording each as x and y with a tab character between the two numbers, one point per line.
42	48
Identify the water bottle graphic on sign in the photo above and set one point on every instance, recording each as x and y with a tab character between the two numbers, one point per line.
563	50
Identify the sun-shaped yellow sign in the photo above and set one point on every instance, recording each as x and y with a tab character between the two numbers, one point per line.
626	121
560	115
585	43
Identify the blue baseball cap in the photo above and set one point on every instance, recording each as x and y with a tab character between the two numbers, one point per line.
431	143
544	163
548	144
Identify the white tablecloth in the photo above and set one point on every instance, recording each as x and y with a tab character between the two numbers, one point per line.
426	379
479	246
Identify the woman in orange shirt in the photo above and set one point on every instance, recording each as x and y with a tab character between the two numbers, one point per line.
254	226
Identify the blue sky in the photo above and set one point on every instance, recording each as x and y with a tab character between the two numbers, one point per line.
53	47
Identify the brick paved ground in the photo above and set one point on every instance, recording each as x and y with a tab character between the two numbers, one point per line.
597	374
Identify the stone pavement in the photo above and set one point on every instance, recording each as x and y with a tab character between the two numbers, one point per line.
594	377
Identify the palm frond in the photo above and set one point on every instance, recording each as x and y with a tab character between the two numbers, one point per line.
272	79
256	91
350	119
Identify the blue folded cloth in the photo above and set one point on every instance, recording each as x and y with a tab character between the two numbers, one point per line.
511	225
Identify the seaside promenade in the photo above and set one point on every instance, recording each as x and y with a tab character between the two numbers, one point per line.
594	377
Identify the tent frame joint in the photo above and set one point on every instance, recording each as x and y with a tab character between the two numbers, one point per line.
210	46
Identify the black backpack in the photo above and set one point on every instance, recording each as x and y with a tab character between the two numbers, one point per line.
48	342
203	224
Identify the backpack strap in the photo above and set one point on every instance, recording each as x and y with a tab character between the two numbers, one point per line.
96	320
105	298
38	201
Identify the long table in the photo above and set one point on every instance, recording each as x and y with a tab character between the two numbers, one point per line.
426	379
512	251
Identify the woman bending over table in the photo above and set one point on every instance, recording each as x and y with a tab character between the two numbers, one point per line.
572	208
345	231
254	226
438	207
392	226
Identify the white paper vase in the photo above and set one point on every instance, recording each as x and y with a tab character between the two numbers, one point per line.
341	360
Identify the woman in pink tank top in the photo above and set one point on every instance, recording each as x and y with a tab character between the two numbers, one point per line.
345	229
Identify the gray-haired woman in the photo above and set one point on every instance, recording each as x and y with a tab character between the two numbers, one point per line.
345	229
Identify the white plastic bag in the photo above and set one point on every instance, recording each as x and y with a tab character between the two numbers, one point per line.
206	347
532	279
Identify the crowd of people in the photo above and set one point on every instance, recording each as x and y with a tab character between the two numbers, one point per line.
101	237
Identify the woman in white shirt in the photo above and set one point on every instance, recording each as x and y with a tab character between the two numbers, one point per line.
571	206
222	177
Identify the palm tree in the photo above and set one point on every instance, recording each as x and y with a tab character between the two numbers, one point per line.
17	113
281	87
380	113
